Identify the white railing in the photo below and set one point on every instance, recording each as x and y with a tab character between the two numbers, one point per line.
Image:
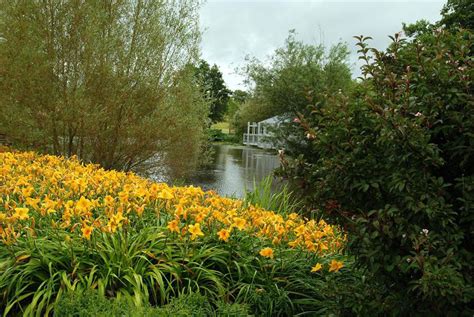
252	139
258	140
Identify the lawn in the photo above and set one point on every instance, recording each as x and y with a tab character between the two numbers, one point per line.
223	126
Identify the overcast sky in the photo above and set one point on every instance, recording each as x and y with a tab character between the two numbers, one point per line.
233	29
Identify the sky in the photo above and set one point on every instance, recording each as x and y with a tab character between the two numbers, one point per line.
234	29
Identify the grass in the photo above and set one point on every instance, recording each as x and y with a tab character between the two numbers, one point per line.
282	200
223	126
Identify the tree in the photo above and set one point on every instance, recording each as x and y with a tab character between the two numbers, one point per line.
296	70
454	15
295	74
235	104
105	80
214	89
458	13
392	161
240	96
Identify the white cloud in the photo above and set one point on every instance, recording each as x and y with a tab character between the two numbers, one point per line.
235	29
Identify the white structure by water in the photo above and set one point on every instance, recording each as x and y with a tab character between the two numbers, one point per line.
258	133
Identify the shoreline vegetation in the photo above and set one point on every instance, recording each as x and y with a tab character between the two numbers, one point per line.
222	133
68	227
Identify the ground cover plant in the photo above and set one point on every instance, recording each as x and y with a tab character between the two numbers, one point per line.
68	227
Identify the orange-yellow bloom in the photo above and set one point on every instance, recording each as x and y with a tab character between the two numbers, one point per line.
299	231
323	247
87	231
21	213
316	268
195	231
115	222
140	209
33	202
74	197
165	194
294	243
311	246
173	226
335	266
267	252
83	205
27	191
240	223
109	200
123	197
224	235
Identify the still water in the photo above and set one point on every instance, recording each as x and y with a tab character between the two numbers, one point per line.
234	169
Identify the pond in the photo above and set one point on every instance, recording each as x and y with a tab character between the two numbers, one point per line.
234	169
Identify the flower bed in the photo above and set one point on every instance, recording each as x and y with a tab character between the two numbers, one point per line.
66	226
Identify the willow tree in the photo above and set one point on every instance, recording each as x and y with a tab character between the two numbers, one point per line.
106	80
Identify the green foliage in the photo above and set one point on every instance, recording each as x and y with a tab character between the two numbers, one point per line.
216	135
234	309
143	267
90	303
297	73
417	28
282	201
458	14
108	82
192	304
236	101
393	161
249	111
214	89
240	96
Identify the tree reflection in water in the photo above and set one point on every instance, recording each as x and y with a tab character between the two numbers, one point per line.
234	169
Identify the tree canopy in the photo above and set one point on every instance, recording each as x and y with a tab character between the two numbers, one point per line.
107	81
458	13
294	75
213	86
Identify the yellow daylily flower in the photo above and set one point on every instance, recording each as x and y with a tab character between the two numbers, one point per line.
335	266
267	252
316	268
21	213
224	235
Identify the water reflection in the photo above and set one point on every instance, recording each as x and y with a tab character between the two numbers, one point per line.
234	169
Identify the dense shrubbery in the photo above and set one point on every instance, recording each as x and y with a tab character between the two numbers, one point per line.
90	303
393	162
66	227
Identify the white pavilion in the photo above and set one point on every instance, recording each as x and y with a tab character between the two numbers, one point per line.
258	132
